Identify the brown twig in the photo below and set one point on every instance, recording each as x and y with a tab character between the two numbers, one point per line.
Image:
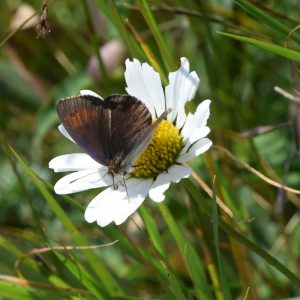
286	94
43	28
255	172
37	251
208	190
30	283
179	11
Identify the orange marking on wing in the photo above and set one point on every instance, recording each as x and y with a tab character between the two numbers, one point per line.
92	114
85	116
78	119
73	122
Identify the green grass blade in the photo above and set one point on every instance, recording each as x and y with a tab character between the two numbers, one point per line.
110	231
206	207
273	23
106	10
30	265
190	256
123	242
75	204
164	50
173	282
165	274
79	272
118	21
15	288
261	252
99	268
284	52
153	232
13	32
112	13
215	218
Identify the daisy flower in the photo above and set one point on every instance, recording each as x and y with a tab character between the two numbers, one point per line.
177	140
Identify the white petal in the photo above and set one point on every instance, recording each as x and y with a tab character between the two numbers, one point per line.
114	205
64	132
90	93
182	88
178	172
137	192
198	148
160	185
197	120
194	128
162	182
102	207
82	180
145	84
196	135
74	162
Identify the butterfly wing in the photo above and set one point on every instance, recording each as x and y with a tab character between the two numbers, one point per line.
87	120
131	127
144	140
130	119
116	129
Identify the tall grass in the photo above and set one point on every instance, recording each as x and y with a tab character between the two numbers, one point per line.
228	232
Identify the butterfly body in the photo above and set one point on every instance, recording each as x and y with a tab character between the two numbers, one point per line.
113	131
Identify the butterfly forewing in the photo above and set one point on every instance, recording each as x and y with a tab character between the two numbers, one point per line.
145	139
86	119
130	120
106	130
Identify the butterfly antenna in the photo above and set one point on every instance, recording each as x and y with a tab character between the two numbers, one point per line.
100	178
72	181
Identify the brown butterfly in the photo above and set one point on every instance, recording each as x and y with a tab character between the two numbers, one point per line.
113	131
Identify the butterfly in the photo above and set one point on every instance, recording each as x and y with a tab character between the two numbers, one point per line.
113	131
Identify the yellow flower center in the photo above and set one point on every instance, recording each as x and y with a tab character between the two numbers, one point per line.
161	153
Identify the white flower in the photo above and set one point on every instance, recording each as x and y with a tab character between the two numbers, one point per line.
184	135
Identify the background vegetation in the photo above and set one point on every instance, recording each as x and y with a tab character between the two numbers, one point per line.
184	248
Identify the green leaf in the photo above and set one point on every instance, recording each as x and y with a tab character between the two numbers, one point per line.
273	23
287	53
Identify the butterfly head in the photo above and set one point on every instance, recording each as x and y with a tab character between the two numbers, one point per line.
117	167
